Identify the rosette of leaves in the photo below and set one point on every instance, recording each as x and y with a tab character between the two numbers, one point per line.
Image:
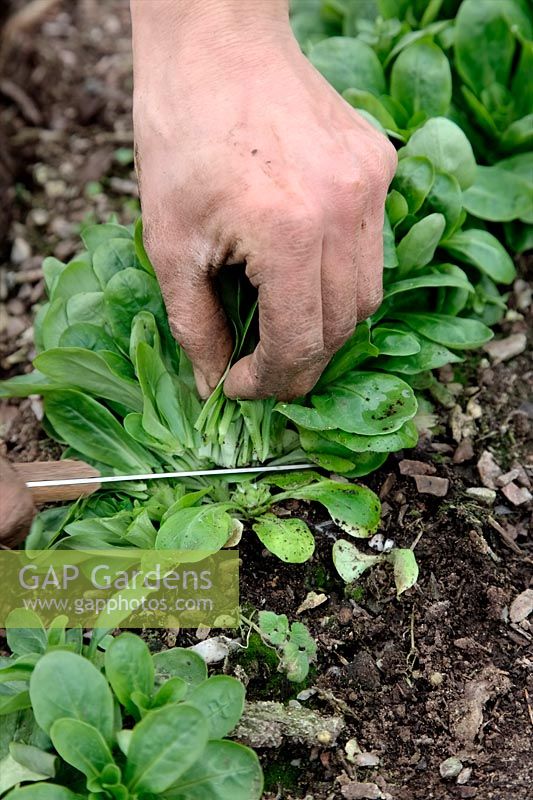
119	725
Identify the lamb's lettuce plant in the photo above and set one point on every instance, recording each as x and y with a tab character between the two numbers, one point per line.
122	725
119	392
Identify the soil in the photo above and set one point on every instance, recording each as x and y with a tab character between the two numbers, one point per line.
442	671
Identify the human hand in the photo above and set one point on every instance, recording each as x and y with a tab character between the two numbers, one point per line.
16	506
246	154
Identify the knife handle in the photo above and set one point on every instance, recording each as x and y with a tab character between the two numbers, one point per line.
57	470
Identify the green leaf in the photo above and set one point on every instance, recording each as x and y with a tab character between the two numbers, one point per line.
164	745
367	403
95	235
457	332
418	246
66	685
129	668
42	791
77	277
289	539
82	746
427	281
221	700
362	402
396	211
355	509
127	293
353	352
111	257
431	356
226	771
405	569
366	101
94	432
484	43
484	251
521	166
421	79
87	336
519	135
86	307
140	251
182	663
406	436
91	372
390	259
347	62
499	195
205	529
54	322
446	146
172	691
350	562
445	197
10	703
52	269
414	178
25	632
274	627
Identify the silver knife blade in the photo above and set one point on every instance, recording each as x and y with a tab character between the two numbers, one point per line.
149	476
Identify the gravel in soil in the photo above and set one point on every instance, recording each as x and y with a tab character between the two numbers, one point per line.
436	688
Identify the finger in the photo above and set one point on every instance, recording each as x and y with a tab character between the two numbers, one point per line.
196	317
370	264
339	283
290	355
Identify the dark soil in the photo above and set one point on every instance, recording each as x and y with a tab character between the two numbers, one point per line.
401	672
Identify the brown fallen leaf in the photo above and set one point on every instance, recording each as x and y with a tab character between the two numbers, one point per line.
488	470
504	349
466	717
429	484
410	467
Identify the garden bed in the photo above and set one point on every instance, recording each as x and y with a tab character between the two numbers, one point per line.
399	672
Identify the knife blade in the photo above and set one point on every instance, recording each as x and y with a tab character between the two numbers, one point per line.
151	476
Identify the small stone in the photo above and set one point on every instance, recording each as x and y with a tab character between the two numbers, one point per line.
345	615
464	776
305	694
504	349
488	470
324	738
467	792
55	189
427	484
507	477
522	606
352	750
465	452
361	791
517	495
436	679
39	216
20	251
484	496
366	760
410	467
450	768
